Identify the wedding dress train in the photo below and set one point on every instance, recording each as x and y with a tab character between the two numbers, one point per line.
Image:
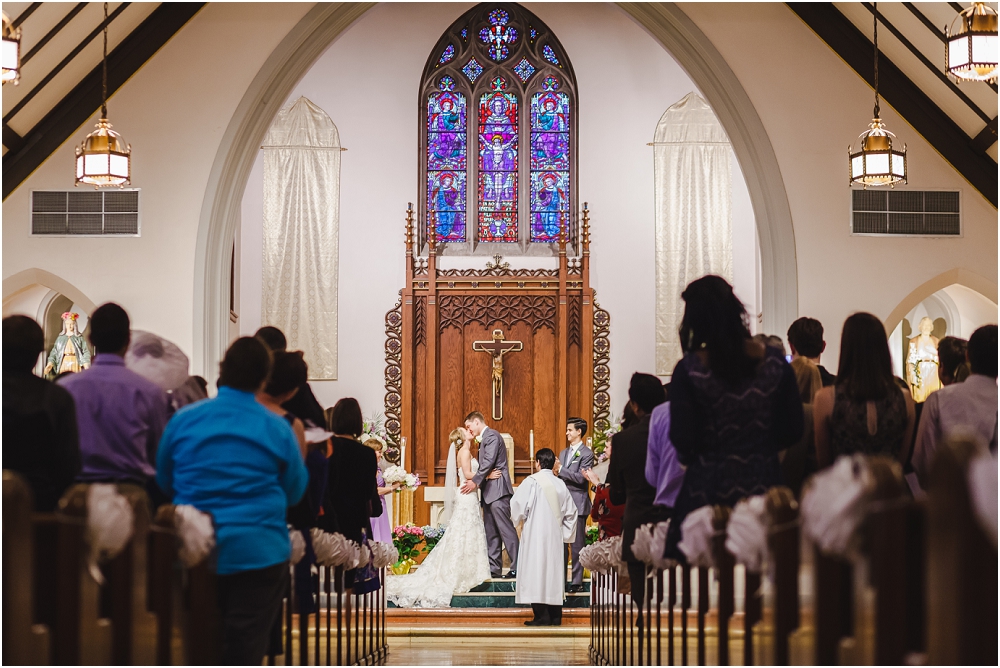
456	564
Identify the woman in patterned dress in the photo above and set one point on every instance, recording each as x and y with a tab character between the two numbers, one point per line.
734	405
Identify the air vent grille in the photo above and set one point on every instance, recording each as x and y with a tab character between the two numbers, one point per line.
83	212
934	213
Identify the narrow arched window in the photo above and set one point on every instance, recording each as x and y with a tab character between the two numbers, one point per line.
503	180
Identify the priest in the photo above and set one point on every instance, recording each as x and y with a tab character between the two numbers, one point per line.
549	514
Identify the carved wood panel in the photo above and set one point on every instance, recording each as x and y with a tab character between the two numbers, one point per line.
508	310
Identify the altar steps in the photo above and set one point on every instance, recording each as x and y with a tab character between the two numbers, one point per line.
502	622
497	593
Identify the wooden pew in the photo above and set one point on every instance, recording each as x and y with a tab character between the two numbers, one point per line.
961	567
783	548
725	575
24	642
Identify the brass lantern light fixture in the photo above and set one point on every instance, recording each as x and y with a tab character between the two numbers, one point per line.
10	57
104	159
971	45
875	161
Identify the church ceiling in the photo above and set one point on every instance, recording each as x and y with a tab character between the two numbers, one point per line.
60	86
959	120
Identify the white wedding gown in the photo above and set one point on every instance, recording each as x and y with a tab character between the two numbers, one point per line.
456	564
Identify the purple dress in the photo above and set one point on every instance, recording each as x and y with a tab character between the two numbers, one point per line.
381	530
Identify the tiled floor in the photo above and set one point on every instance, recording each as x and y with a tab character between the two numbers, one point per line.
486	651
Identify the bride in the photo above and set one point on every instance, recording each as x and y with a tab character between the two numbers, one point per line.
458	562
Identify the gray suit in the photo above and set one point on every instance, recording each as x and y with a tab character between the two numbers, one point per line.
500	531
579	489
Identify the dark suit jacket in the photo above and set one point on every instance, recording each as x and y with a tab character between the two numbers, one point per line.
493	455
576	484
352	490
627	480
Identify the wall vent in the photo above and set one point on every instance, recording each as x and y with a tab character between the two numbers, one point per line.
85	213
933	213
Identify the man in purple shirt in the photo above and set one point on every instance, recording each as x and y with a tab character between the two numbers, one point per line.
663	470
120	415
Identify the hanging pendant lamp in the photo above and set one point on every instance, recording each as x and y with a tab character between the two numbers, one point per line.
10	57
874	162
104	159
971	46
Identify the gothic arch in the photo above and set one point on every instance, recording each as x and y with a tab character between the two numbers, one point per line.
24	279
288	63
957	276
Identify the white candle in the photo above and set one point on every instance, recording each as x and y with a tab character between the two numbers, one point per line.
531	443
402	453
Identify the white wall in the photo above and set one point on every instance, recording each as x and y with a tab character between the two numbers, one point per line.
368	81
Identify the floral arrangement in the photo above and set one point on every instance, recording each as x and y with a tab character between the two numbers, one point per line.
601	438
397	474
374	426
592	535
432	535
407	539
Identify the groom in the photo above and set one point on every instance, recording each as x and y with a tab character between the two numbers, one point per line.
496	494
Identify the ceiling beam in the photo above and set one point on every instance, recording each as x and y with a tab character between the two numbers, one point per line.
905	96
79	104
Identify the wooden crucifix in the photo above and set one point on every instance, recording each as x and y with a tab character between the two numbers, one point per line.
497	348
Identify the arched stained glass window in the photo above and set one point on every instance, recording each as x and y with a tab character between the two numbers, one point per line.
505	180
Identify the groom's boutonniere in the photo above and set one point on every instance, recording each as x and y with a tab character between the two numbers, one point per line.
577	455
479	439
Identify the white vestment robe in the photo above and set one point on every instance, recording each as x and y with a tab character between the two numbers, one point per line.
549	514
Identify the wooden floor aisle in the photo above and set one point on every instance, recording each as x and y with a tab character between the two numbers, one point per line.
485	650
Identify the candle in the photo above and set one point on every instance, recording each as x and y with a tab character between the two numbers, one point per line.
531	443
402	453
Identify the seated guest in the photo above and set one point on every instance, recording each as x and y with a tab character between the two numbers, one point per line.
352	487
962	410
734	405
120	415
866	412
805	338
234	458
953	365
302	404
627	477
39	417
288	374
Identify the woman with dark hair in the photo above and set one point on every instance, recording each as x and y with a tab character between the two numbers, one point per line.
866	411
734	404
352	490
288	372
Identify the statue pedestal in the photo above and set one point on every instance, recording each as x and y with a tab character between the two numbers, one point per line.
435	497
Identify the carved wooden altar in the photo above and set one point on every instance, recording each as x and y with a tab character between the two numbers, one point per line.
434	377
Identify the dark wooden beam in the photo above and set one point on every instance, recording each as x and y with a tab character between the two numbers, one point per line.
905	96
23	16
52	33
11	139
80	103
986	137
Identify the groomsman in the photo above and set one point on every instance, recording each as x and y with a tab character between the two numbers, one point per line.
573	461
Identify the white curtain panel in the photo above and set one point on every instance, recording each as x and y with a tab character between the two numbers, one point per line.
694	221
301	233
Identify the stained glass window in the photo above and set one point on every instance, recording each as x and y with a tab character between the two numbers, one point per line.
498	35
472	70
550	161
498	165
550	55
446	161
524	70
449	53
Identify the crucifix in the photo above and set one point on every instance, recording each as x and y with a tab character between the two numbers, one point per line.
497	348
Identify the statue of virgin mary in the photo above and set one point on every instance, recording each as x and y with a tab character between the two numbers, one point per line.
922	362
70	352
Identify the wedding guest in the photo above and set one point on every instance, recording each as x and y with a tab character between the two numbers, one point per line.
866	412
288	374
627	477
194	389
39	418
550	514
352	487
303	403
235	459
734	405
962	410
952	357
799	461
120	415
573	461
381	527
770	340
663	469
805	338
608	516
